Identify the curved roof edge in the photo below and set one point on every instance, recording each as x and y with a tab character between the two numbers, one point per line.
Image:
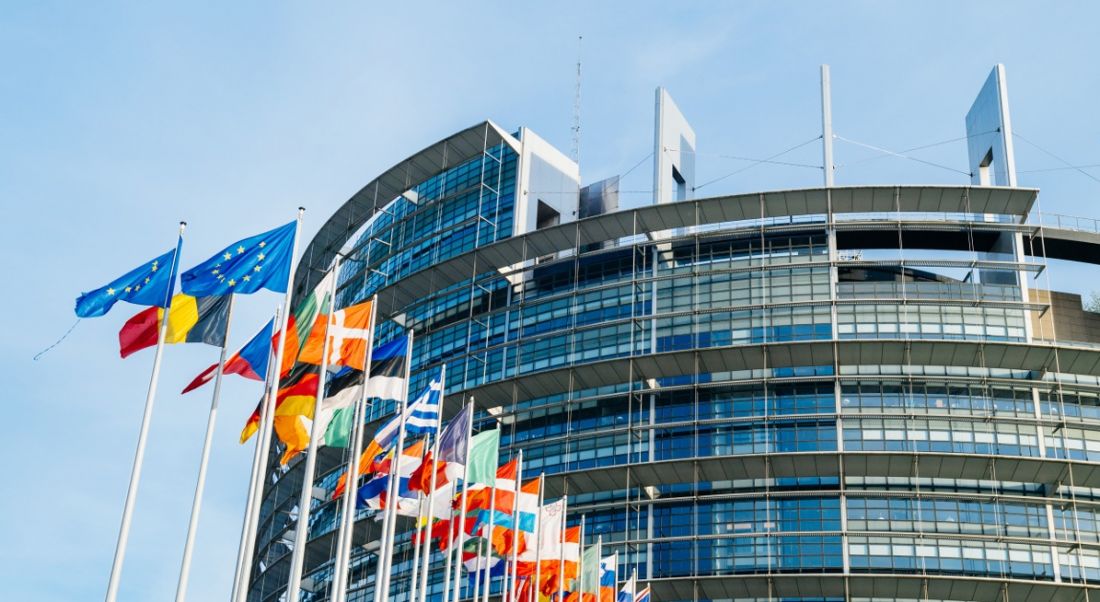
429	161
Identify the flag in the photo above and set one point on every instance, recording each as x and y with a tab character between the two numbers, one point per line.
150	283
338	407
249	361
626	594
387	370
421	417
501	496
550	535
373	493
246	266
190	320
348	336
301	322
484	452
590	569
294	413
643	596
453	442
609	577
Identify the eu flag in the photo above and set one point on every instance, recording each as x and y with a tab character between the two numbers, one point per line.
246	266
148	284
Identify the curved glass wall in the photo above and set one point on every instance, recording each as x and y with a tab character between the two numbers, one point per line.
627	375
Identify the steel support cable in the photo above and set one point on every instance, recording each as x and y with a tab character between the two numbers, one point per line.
757	162
902	155
749	159
1060	159
917	148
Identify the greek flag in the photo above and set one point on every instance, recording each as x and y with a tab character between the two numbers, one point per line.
422	415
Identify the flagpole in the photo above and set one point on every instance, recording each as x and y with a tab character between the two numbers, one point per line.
413	577
255	497
427	543
487	577
462	505
394	486
267	421
450	551
477	566
254	475
305	499
580	564
204	461
143	433
351	482
509	585
561	549
538	539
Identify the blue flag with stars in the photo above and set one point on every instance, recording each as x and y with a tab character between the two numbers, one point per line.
148	284
246	266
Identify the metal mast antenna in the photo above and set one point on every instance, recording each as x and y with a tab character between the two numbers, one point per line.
577	108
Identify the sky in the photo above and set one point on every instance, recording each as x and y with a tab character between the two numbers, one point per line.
118	120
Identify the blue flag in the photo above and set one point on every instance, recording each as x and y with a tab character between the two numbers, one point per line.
148	284
246	266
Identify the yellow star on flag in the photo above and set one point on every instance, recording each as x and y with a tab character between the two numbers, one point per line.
257	268
154	267
128	289
246	277
262	244
240	250
110	291
228	256
261	256
232	282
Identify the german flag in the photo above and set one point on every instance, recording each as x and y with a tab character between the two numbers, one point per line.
190	320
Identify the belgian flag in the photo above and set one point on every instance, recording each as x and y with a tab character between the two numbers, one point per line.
190	320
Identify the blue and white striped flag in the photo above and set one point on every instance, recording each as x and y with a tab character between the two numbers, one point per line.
422	415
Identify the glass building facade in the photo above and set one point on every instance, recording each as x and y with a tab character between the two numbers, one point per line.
830	394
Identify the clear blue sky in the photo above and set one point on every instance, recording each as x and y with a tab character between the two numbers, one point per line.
120	119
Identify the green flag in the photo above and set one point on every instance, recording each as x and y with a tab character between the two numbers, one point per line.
481	465
338	432
590	569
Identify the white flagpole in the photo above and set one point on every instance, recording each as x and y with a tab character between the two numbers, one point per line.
477	565
351	482
461	536
305	499
580	565
427	543
489	537
509	583
267	416
196	504
450	553
561	550
413	576
143	434
252	479
390	523
538	540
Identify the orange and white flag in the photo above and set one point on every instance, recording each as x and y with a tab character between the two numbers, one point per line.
348	335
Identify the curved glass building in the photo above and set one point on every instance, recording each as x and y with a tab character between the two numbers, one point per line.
821	394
